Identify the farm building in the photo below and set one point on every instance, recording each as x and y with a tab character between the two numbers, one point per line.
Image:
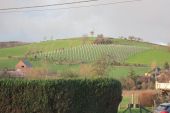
24	66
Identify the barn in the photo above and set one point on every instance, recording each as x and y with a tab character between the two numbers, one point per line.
23	65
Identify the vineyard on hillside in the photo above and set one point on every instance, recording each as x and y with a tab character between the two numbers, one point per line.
89	53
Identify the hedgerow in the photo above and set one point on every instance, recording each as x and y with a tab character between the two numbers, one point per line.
60	96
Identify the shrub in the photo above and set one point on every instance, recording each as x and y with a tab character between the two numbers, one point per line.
86	70
100	67
164	77
166	66
69	74
128	83
101	40
60	96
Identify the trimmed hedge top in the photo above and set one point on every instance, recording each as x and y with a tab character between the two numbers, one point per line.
60	96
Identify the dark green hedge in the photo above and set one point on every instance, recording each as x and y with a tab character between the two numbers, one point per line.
60	96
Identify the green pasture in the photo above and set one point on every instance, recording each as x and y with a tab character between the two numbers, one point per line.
7	63
15	51
157	56
113	72
116	72
135	43
56	68
10	56
122	71
39	46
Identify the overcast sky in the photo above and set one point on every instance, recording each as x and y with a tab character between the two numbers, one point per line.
148	19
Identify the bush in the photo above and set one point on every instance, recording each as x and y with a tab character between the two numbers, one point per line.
101	40
69	74
128	83
166	66
60	96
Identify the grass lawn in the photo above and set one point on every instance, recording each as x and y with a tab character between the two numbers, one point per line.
133	111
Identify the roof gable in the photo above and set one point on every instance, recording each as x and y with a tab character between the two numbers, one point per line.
27	63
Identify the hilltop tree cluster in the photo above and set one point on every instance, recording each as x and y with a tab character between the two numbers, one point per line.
11	44
100	39
135	38
132	38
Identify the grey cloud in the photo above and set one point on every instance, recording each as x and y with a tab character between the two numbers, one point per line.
147	19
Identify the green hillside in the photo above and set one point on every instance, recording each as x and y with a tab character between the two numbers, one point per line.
75	51
10	56
157	56
40	46
135	43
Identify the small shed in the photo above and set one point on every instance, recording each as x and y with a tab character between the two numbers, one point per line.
23	65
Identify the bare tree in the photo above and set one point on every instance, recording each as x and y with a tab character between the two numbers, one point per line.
100	67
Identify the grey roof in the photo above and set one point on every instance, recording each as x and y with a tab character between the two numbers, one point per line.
27	63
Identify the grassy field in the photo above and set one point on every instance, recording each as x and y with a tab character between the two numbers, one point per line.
56	68
122	71
116	72
136	43
113	71
19	52
7	63
154	54
41	46
157	56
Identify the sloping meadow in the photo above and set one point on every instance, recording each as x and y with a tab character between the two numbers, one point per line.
60	96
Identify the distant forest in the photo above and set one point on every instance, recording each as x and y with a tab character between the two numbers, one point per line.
11	44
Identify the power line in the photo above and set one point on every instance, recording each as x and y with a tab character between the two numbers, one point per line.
82	6
49	5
